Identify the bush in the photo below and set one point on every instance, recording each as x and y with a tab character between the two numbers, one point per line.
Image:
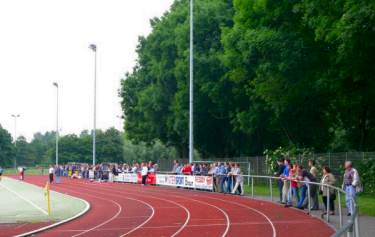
292	153
366	169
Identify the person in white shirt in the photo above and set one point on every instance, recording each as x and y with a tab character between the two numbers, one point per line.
236	172
50	172
351	184
144	172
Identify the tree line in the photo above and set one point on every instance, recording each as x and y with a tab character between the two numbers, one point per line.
111	146
268	73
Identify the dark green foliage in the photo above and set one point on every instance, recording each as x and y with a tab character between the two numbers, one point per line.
6	148
366	169
268	73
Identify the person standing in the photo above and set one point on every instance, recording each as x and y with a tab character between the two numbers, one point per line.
278	172
238	178
314	198
57	174
328	179
285	177
350	182
144	173
175	166
1	172
293	192
50	173
304	175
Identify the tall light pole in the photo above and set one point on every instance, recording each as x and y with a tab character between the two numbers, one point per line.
191	89
93	48
15	116
57	122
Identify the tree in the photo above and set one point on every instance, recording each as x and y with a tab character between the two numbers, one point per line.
6	148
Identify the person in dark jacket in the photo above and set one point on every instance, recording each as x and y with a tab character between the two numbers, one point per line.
279	170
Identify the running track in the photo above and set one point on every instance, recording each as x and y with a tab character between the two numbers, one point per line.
133	210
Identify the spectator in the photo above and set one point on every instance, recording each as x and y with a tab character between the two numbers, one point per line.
285	177
204	170
50	173
175	166
229	178
57	173
144	173
179	169
314	172
305	175
213	172
239	179
187	170
328	179
350	182
278	172
197	169
22	172
293	192
222	173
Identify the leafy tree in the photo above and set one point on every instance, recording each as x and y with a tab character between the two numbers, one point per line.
6	148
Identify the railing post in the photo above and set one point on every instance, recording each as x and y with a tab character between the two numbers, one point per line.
308	198
339	206
356	222
290	193
328	206
248	171
271	194
252	186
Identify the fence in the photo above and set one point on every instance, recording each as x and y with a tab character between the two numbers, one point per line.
258	165
349	227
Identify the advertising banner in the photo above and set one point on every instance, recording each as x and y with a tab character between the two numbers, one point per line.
203	182
185	181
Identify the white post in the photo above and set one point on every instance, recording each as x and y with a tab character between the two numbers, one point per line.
93	48
57	122
191	90
15	116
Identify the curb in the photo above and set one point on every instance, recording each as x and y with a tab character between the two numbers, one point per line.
88	206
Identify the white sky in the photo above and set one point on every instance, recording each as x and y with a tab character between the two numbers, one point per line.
42	41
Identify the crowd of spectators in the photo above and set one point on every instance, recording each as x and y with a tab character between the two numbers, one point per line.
227	176
293	192
101	171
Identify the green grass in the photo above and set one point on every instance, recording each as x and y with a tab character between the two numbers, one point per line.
366	202
29	171
22	202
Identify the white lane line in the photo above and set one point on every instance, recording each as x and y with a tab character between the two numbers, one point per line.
25	199
137	227
143	223
228	223
105	222
187	220
163	199
253	209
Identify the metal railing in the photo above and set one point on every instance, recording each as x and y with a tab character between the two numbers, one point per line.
351	228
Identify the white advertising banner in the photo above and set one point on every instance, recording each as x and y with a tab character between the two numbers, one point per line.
186	181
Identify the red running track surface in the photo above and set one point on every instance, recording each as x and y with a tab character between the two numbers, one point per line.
133	210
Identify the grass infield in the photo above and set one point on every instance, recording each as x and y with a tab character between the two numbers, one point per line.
22	202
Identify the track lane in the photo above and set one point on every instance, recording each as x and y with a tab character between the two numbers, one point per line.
244	214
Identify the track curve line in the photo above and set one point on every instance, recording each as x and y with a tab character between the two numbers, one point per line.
117	214
228	223
158	198
274	232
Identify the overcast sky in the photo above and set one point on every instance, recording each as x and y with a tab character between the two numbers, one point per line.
43	41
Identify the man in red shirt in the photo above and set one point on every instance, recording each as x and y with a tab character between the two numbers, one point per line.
187	170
